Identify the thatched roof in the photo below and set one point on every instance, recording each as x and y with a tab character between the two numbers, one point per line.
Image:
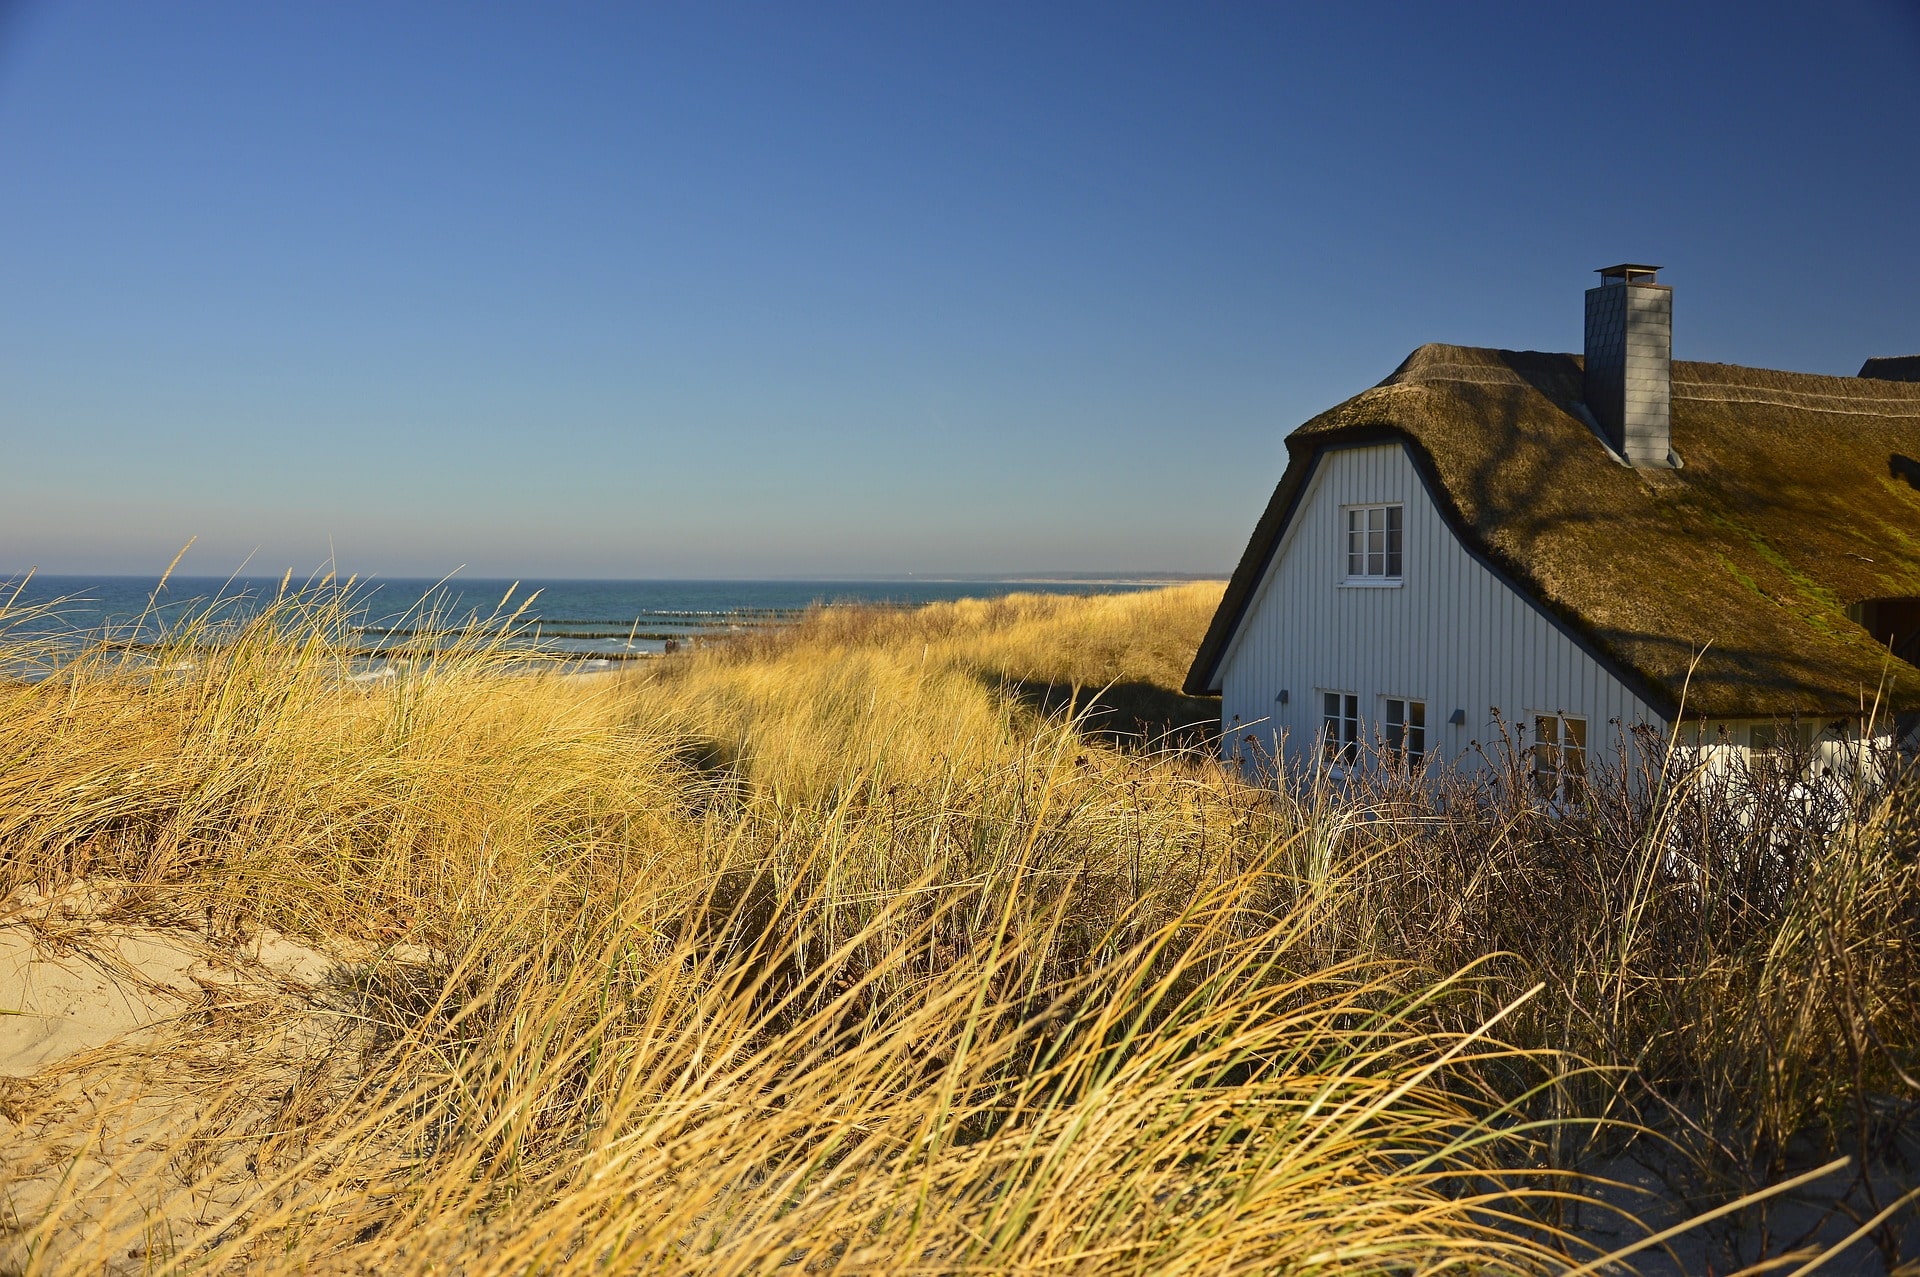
1798	497
1893	368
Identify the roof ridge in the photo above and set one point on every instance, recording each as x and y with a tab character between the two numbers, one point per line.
1790	398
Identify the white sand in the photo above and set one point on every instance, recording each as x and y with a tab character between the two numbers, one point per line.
127	1046
73	982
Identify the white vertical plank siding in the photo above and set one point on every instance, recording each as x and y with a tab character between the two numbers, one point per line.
1452	634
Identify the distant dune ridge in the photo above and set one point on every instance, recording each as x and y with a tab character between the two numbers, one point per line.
898	940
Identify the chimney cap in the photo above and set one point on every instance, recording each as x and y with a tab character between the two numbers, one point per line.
1629	273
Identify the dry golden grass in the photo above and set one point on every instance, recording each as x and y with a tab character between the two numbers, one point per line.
833	951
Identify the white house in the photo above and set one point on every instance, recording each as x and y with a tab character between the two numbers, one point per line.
1569	546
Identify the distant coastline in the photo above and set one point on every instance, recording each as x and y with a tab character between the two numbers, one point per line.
583	619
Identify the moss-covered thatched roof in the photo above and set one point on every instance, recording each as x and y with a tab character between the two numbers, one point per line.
1798	496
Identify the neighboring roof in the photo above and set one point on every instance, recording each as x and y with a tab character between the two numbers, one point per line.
1798	496
1893	368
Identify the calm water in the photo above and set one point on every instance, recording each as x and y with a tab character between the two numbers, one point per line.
606	619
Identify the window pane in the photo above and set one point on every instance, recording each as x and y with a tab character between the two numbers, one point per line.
1393	540
1546	777
1416	731
1546	756
1356	545
1573	761
1396	732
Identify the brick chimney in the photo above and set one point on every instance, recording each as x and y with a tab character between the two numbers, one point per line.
1630	363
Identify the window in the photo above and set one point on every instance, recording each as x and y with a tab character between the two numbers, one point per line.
1781	738
1778	750
1340	726
1373	542
1406	731
1559	757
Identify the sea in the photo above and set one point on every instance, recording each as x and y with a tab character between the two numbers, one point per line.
589	624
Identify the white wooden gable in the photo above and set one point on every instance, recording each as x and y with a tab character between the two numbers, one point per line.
1451	634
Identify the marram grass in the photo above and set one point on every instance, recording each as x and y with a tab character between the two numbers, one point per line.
833	951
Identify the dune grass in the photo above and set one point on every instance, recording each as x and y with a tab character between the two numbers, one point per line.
845	949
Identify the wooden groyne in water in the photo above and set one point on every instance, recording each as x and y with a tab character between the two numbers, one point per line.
537	633
391	653
530	639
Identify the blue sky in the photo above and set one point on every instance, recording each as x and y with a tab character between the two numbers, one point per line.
750	290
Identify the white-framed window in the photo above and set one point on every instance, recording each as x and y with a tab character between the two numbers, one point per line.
1375	543
1403	729
1559	757
1776	750
1781	737
1340	727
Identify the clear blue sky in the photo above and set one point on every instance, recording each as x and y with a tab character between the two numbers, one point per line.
742	289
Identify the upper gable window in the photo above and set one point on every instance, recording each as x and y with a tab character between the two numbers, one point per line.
1374	539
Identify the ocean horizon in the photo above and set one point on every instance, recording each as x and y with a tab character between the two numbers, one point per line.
605	618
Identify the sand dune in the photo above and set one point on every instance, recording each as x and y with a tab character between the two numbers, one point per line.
147	1069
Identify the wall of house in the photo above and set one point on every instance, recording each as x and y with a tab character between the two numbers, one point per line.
1452	634
1830	747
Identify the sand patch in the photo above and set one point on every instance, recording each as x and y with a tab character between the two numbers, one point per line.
73	981
55	1006
160	1087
